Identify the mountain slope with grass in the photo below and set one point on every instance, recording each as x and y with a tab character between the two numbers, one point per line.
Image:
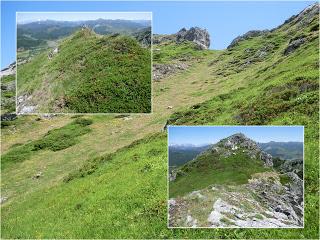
88	73
234	184
84	191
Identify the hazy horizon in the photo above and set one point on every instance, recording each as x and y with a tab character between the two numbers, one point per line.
206	135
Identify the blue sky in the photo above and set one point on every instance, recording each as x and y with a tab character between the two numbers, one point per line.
223	20
23	17
200	135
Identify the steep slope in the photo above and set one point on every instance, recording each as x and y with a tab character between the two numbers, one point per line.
233	184
87	74
198	83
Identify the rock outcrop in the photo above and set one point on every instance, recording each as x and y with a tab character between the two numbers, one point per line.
160	71
250	34
249	146
197	35
293	45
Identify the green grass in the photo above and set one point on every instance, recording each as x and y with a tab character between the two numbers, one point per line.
169	52
124	195
209	168
90	74
284	179
54	140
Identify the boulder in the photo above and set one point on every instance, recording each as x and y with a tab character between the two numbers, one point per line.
293	45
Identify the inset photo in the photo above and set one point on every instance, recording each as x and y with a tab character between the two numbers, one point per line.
83	62
236	176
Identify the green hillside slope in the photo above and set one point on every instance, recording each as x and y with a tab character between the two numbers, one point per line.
89	74
124	195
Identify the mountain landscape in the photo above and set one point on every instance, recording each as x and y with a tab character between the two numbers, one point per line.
109	178
205	192
85	72
284	150
180	154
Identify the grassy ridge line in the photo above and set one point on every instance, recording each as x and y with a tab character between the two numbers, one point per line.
90	73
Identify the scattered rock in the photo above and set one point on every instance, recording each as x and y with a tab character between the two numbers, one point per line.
8	116
37	175
164	70
169	107
3	199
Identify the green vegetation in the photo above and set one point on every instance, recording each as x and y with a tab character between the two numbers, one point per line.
124	195
90	74
7	94
169	52
54	140
284	179
209	168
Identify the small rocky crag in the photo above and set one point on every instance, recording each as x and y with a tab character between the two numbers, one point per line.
239	140
197	35
201	39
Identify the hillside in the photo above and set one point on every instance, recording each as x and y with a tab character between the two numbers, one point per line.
90	193
88	74
234	168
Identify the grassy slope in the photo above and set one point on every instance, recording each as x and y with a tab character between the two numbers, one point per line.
209	168
87	77
204	79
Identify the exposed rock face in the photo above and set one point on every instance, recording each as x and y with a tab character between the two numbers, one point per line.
24	106
268	204
239	140
163	70
195	34
295	166
303	18
250	34
267	158
293	45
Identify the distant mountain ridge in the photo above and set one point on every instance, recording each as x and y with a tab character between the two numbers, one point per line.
180	154
284	150
33	34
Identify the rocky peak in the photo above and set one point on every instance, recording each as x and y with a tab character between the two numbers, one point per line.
195	34
304	17
237	141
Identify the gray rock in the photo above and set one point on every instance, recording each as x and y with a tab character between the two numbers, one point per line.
293	45
250	34
195	34
164	70
267	158
8	116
